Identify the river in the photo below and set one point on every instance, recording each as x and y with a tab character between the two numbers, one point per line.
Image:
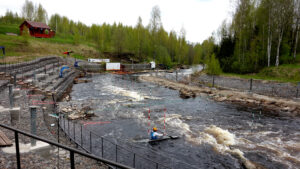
212	134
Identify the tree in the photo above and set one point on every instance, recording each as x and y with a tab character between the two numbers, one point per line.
119	38
140	38
40	14
296	25
154	26
284	9
155	20
213	66
28	10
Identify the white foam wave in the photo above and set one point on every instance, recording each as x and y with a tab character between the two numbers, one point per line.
219	138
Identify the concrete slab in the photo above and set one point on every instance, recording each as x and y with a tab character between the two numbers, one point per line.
25	148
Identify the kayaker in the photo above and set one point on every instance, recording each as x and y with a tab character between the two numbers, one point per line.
154	134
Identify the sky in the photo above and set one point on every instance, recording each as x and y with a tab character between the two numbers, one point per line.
199	18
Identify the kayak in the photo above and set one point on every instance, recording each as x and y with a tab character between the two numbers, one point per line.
162	139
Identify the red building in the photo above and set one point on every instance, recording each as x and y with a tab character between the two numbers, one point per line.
37	29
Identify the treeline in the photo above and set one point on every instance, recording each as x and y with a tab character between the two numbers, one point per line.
144	42
262	33
29	12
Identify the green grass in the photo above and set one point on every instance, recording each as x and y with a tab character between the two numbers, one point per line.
56	39
4	28
282	73
78	56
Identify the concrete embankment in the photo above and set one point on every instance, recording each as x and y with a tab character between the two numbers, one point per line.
36	83
256	101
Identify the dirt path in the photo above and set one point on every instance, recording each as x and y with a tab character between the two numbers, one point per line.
272	104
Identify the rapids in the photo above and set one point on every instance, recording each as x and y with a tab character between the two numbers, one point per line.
212	134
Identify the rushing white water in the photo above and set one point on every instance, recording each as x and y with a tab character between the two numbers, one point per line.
219	138
234	134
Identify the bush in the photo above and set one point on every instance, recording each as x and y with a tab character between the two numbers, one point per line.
25	36
213	66
164	57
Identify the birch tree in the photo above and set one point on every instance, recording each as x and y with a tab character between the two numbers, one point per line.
296	25
282	15
40	14
28	10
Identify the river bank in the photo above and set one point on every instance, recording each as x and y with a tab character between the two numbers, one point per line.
37	82
279	106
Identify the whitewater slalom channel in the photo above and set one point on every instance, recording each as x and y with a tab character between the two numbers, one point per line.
212	134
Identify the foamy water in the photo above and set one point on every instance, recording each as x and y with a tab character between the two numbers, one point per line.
230	132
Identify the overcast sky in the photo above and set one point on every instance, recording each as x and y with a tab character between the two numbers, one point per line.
200	18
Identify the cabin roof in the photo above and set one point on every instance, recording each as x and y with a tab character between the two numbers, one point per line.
37	24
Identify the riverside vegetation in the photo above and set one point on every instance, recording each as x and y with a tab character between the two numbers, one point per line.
260	42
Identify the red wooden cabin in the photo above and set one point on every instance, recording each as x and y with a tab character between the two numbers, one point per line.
37	29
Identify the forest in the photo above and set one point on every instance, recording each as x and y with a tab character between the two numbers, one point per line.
261	33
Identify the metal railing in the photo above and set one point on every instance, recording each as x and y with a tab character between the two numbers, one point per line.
105	148
71	150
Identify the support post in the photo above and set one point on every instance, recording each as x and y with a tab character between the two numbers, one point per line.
69	129
90	141
133	160
102	148
33	123
72	160
251	81
15	79
17	150
11	97
81	136
116	152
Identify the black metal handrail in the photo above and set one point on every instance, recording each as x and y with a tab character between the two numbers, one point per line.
72	150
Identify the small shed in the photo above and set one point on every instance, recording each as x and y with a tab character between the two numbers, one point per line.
37	29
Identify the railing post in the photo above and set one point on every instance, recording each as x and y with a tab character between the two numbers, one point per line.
11	97
213	85
81	135
33	123
17	150
133	160
116	152
72	160
65	125
102	148
15	79
91	142
74	132
251	80
69	129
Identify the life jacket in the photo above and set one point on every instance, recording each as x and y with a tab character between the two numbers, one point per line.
153	137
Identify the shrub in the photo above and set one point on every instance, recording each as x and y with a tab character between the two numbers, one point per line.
213	66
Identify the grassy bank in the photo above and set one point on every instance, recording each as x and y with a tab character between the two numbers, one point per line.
20	48
282	73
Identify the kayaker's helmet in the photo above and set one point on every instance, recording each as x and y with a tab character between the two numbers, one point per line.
154	129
